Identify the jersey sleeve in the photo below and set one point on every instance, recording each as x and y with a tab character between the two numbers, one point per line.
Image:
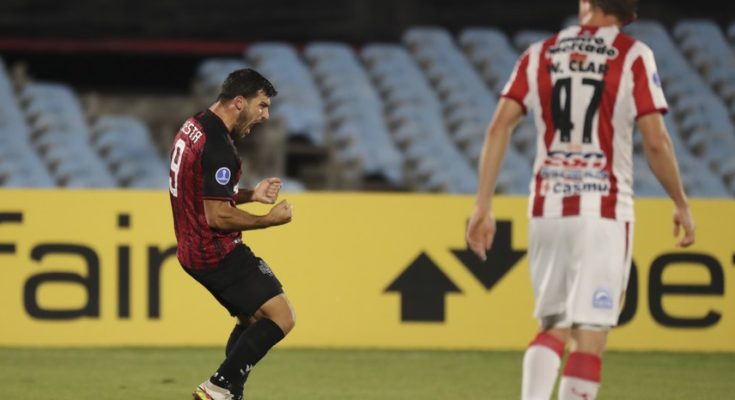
648	95
517	87
218	170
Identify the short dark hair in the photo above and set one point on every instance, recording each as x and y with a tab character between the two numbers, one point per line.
624	10
247	83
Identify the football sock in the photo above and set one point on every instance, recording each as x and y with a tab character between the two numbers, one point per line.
581	378
231	341
250	347
541	366
234	335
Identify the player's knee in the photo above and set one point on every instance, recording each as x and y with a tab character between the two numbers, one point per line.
280	311
590	339
284	317
562	334
246	320
288	322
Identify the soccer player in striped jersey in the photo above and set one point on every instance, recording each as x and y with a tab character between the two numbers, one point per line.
204	192
586	87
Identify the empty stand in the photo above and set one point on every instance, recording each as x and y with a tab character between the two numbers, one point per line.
354	112
409	115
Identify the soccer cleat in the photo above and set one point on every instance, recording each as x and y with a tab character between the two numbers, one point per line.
209	391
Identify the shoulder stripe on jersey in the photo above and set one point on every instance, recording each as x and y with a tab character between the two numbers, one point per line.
641	91
644	103
544	93
605	129
519	87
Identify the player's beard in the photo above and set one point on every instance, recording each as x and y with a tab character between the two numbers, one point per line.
242	125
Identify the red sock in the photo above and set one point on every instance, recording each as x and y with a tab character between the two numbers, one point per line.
541	366
581	378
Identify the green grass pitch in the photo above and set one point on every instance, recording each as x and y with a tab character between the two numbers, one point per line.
171	373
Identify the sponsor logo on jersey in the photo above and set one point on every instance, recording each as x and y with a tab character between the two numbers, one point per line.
222	176
575	159
573	175
602	299
578	188
583	44
570	173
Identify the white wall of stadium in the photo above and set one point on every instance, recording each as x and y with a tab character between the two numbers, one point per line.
97	268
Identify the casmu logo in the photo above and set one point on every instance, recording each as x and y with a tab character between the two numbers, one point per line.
578	188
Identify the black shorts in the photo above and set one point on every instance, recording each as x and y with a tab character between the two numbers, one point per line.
241	282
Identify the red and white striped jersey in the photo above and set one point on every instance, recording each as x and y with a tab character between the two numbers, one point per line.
586	87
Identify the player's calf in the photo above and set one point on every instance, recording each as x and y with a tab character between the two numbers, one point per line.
541	363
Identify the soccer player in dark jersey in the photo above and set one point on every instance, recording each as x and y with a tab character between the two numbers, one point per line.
203	185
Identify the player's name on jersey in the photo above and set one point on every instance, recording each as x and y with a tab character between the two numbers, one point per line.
579	66
191	130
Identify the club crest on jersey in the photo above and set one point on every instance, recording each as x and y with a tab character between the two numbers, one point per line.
602	299
222	176
656	79
264	268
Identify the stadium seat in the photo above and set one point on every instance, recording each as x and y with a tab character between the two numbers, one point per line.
299	103
209	77
416	122
525	38
358	111
696	109
61	136
706	47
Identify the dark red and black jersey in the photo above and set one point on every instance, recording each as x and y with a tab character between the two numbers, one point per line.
204	165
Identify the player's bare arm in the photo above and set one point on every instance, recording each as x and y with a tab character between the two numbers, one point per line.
221	215
481	228
266	192
660	154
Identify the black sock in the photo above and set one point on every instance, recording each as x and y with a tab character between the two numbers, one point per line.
250	347
242	326
234	335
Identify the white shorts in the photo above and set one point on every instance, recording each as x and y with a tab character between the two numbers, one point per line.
579	269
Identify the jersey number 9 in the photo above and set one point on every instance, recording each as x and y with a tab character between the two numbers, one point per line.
173	178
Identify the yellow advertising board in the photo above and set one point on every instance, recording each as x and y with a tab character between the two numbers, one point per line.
97	268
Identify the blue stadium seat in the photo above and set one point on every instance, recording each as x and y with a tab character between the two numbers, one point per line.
299	104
